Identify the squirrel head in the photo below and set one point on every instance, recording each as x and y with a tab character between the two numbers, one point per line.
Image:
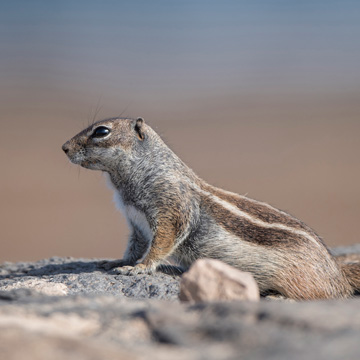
107	143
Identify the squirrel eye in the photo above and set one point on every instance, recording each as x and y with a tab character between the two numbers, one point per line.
100	132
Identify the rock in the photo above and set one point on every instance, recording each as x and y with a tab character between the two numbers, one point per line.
344	250
20	344
42	286
110	327
69	276
107	316
213	280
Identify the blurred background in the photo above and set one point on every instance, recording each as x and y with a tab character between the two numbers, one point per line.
258	97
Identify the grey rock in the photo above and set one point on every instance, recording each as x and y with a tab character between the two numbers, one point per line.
69	276
155	328
100	315
343	250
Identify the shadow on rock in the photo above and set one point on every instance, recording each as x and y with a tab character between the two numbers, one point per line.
53	266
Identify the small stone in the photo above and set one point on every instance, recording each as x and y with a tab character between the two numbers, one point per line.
213	280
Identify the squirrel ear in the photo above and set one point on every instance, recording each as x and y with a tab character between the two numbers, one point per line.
139	128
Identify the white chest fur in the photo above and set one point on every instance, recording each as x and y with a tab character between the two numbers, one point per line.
138	219
134	217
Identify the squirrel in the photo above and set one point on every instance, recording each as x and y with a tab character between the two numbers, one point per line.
172	212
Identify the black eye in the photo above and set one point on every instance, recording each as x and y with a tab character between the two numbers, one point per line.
100	132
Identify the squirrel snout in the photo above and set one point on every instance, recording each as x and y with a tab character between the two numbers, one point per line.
66	148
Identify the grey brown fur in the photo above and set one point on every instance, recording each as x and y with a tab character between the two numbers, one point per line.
172	212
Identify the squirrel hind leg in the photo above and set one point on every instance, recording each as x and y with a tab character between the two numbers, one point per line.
303	283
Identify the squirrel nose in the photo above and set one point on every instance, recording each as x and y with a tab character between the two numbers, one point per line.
65	148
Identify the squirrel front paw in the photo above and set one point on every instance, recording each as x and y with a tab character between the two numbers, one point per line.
134	270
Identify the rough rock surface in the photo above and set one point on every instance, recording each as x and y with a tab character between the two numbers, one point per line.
67	308
213	280
69	276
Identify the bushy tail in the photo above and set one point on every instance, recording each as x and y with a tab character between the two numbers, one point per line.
350	265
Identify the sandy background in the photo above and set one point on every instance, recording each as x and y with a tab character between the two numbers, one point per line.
259	100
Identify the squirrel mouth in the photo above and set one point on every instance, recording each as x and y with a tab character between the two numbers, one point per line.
76	160
88	164
85	163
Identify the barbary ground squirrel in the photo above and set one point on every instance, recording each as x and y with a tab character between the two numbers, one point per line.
172	212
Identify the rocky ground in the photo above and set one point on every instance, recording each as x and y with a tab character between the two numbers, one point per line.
64	308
